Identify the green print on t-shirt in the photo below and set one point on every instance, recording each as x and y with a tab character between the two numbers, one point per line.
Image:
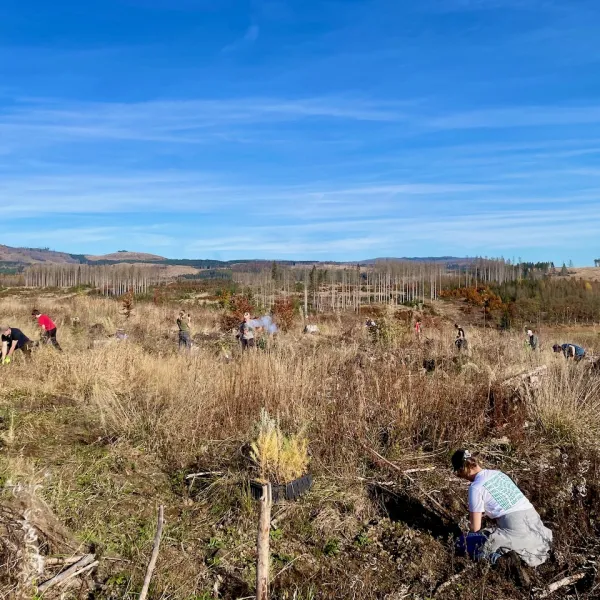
503	490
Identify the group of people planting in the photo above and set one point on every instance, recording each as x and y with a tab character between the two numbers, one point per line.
247	331
14	339
515	531
570	351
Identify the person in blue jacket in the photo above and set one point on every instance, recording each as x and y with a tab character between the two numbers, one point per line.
570	351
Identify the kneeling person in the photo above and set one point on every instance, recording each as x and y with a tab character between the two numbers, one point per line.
518	526
14	339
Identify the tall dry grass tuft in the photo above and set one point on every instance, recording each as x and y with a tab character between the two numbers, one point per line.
568	405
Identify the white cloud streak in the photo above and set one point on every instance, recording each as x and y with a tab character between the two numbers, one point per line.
249	37
517	117
177	121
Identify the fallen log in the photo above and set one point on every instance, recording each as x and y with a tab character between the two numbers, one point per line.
418	470
204	474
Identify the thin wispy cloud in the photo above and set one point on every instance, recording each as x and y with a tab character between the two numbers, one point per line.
249	37
176	121
451	6
522	116
400	235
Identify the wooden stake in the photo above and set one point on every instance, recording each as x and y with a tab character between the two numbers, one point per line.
262	545
152	563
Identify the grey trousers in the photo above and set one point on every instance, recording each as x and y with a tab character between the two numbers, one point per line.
523	532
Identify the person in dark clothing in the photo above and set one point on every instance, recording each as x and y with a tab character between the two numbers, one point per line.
184	323
532	339
573	351
14	339
461	340
48	328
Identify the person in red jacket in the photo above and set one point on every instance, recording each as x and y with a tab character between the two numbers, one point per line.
48	328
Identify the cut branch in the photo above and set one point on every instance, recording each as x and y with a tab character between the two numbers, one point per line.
84	564
557	585
453	579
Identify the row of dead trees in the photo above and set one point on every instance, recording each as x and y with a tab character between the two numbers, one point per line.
335	289
108	279
332	288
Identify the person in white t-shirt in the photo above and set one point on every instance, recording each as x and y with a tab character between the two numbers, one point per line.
518	526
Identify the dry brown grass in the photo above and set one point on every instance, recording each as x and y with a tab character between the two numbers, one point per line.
141	405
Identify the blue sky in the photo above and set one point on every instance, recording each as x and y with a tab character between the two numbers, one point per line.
305	129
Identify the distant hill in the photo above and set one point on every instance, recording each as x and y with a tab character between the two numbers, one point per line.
30	256
16	259
454	260
125	256
588	273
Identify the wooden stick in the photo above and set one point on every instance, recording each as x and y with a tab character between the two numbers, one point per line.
419	470
203	474
262	544
153	558
81	571
68	573
452	579
562	583
52	561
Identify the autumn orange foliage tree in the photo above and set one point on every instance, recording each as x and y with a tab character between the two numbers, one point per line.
237	305
284	312
477	296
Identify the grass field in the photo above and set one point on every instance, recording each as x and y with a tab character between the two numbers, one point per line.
107	432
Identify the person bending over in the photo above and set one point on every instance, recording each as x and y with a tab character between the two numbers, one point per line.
517	525
14	339
48	328
570	351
